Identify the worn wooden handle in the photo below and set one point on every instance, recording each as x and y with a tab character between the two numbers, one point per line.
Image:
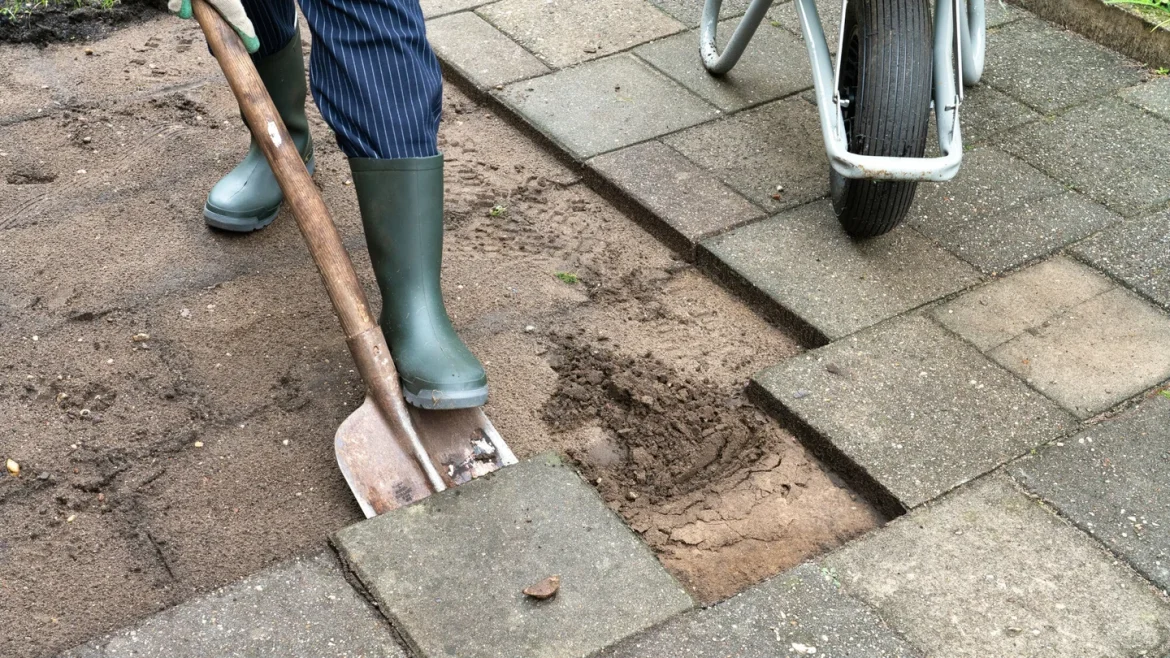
367	345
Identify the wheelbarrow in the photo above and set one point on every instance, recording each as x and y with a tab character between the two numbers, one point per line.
874	101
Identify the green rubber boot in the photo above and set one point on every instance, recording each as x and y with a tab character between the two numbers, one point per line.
402	211
249	197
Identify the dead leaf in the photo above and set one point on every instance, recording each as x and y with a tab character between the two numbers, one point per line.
545	589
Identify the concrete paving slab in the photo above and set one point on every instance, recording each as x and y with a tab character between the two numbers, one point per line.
1000	213
480	52
1050	69
1113	481
567	32
989	572
301	609
689	200
605	105
784	15
832	284
773	66
1096	354
754	151
1108	149
911	407
433	8
799	612
1136	252
690	11
996	313
1070	332
1153	96
987	112
449	570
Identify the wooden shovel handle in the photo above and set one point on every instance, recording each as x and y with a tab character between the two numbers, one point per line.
370	353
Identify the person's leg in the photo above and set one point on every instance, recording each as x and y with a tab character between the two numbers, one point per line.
249	197
377	84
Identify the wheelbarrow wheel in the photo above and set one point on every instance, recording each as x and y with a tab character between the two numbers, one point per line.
885	81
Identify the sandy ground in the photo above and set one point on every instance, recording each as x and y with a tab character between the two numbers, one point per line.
171	392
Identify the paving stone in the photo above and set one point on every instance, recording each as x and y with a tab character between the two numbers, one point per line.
1113	152
691	201
999	212
691	11
1113	480
1136	252
987	112
805	263
481	52
913	407
449	570
567	32
433	8
1049	69
1094	355
1074	335
300	609
1154	96
774	65
994	314
605	105
989	572
755	150
784	15
795	613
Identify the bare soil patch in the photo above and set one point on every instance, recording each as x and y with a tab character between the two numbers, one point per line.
70	20
171	392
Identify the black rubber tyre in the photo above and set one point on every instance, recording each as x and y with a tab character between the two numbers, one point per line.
886	70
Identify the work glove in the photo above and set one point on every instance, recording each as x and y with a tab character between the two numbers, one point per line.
232	12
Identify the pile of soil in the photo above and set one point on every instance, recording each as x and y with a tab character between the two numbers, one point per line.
713	485
171	392
45	24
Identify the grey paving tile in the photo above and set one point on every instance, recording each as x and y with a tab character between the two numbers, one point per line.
300	609
690	11
1136	252
999	212
987	112
1110	150
784	15
1093	356
996	313
754	151
774	65
605	105
989	572
1113	480
1154	96
566	32
432	8
913	407
481	52
449	570
805	263
1070	332
799	612
1049	68
692	202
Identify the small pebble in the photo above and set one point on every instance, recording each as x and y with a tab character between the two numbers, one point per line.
140	338
13	468
545	589
198	444
529	329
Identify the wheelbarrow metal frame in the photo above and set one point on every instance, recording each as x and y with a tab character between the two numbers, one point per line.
955	60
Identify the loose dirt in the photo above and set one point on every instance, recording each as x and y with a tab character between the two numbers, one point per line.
171	392
70	20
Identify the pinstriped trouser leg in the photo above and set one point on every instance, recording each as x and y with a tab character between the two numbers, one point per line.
371	70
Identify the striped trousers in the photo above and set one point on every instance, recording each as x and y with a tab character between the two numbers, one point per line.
372	72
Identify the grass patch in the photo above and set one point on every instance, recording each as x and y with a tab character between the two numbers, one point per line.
567	277
1157	11
14	9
